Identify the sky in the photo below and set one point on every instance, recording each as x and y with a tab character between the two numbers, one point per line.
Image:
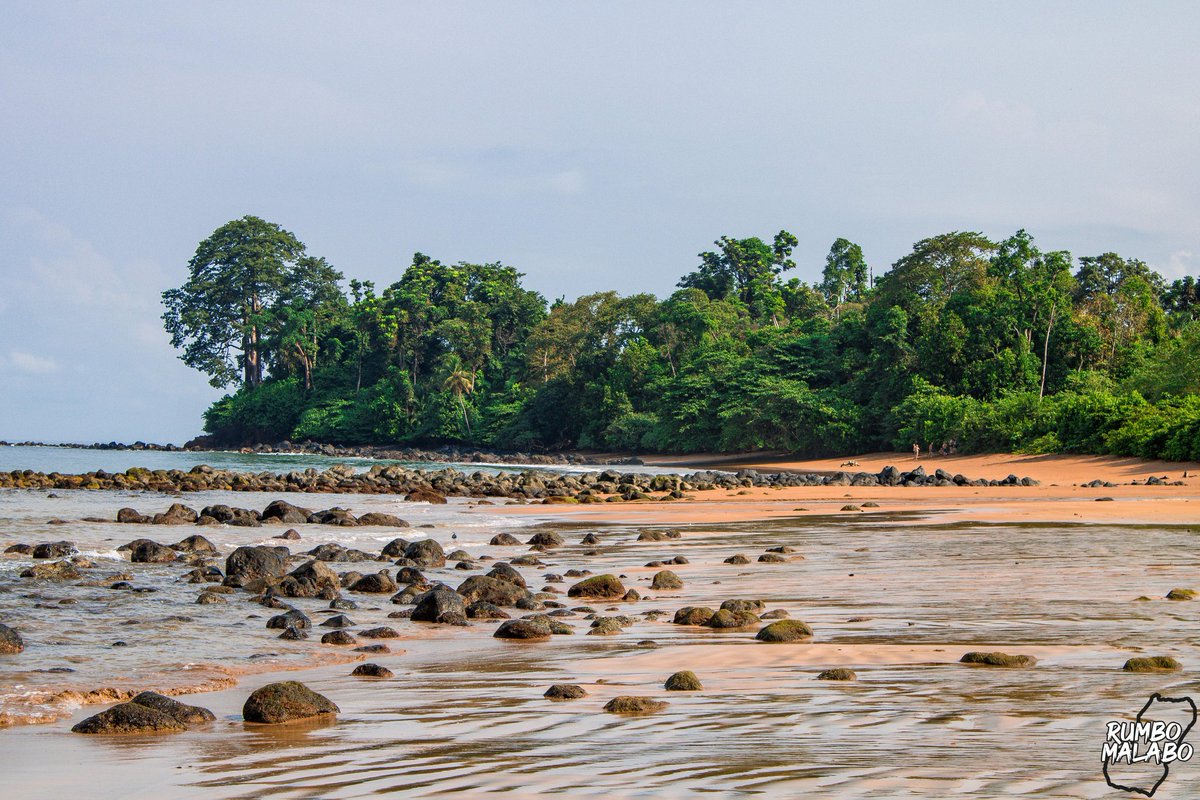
593	146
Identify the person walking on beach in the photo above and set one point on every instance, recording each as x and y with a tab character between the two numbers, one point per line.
916	452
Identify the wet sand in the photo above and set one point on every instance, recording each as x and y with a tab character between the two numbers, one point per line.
894	593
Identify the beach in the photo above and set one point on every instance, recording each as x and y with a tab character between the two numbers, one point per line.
897	592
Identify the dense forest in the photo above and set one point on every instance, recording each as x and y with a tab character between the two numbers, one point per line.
989	345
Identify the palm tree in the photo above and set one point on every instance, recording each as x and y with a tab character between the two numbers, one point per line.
461	382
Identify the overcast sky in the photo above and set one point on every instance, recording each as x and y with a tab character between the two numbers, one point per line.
593	146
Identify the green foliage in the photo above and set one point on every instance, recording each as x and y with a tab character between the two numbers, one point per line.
995	346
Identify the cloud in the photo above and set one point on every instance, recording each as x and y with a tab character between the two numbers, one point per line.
30	364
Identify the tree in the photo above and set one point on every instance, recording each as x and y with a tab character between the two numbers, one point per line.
309	305
218	316
460	382
745	268
844	278
936	268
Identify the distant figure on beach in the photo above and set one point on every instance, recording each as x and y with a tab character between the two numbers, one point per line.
916	452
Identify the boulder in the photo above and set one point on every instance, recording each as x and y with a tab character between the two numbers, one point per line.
693	615
338	637
181	712
1174	594
565	691
491	590
131	516
333	516
725	619
369	670
524	629
284	702
737	559
56	571
997	659
426	553
785	630
626	704
481	610
54	550
395	548
197	545
666	580
382	632
148	552
177	514
546	539
379	583
1152	664
684	681
837	674
286	513
504	540
309	580
424	495
740	604
293	618
379	518
249	563
11	642
437	603
505	572
130	718
603	587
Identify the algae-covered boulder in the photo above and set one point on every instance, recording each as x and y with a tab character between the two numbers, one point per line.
693	615
248	563
498	592
11	642
182	712
439	604
286	701
531	630
837	674
665	580
785	630
602	587
737	558
683	681
628	704
425	553
130	718
369	670
726	619
1181	594
997	659
1152	664
504	540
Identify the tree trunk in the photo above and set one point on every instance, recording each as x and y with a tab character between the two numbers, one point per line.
1046	353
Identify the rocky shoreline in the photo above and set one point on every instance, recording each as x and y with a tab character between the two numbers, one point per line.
529	485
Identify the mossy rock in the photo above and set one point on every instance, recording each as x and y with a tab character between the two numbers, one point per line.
529	630
286	701
628	704
664	580
837	674
683	681
1181	594
997	659
737	559
693	615
565	691
182	712
785	630
726	619
604	587
1152	664
130	718
370	670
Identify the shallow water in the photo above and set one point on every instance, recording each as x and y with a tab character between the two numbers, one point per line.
465	716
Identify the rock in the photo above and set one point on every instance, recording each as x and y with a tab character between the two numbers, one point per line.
837	674
603	587
20	549
369	670
771	558
132	516
1152	664
294	618
333	516
524	629
382	632
504	540
395	548
684	681
197	545
605	626
423	495
293	634
291	534
785	630
726	619
998	660
739	604
57	571
631	596
737	559
337	621
177	514
481	610
693	615
1174	594
426	553
181	712
54	550
249	563
380	583
505	572
378	518
437	604
666	580
338	637
309	580
286	513
546	539
148	552
284	702
492	590
851	508
778	613
207	598
565	691
11	642
130	718
627	704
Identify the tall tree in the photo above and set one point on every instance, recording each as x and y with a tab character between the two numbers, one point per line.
218	316
844	278
745	268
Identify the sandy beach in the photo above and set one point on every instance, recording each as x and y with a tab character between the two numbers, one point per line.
897	593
